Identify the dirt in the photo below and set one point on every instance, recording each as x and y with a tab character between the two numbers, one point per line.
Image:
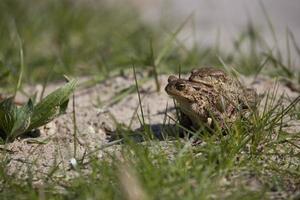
96	123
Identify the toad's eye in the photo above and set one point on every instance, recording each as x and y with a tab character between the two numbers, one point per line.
180	86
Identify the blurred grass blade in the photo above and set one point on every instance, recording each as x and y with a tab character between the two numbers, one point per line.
152	60
279	63
139	95
169	43
21	65
296	46
269	21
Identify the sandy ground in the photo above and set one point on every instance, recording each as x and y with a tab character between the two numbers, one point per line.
96	123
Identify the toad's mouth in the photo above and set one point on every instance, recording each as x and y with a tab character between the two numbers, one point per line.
182	100
179	96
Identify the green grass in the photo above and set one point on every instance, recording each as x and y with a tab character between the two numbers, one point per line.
42	40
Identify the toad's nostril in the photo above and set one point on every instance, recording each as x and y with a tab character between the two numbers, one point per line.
194	71
172	78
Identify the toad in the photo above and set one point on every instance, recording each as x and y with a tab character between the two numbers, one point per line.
208	96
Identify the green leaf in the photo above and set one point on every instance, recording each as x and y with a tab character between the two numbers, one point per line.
8	112
23	118
52	105
13	120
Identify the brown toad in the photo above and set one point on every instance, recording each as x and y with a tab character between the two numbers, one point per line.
210	95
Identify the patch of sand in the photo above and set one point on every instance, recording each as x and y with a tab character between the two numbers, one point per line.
95	123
